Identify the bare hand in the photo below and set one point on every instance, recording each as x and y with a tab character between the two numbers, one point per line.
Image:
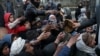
76	25
61	35
44	35
47	28
72	40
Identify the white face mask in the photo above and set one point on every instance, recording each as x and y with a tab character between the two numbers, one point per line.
53	19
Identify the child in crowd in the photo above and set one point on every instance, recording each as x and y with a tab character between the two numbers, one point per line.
4	48
12	24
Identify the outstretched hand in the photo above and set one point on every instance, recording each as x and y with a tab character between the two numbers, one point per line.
76	25
60	36
44	35
72	40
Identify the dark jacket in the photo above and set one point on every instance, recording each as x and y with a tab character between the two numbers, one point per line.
64	52
97	51
2	45
50	49
31	12
77	13
37	52
1	16
80	53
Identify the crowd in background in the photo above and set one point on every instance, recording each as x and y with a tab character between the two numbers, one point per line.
44	30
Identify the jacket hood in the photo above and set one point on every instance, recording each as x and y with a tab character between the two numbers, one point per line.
6	17
83	47
2	44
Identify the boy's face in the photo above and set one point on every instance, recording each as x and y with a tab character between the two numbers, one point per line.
11	19
6	50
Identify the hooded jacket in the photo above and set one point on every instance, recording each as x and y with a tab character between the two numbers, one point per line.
2	45
31	12
81	46
13	27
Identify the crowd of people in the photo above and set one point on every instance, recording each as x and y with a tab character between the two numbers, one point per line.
45	30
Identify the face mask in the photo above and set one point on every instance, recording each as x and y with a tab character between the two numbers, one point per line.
54	21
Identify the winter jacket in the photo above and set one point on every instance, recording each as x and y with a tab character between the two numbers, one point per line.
1	16
13	27
77	13
81	53
2	45
31	12
50	49
64	52
36	53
